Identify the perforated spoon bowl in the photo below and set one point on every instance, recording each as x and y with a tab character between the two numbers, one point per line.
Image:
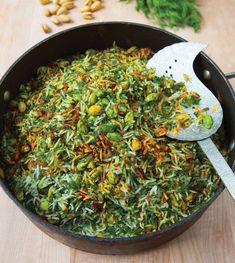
176	61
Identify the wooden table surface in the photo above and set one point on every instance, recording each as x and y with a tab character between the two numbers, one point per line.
212	238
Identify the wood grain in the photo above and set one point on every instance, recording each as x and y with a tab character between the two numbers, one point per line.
212	238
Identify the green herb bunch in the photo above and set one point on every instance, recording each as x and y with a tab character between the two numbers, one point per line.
171	13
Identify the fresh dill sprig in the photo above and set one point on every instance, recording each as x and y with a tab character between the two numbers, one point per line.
171	13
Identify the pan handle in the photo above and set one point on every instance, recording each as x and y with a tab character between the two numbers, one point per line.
230	75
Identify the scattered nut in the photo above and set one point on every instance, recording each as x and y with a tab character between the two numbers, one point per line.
88	2
96	6
47	12
62	10
87	15
45	2
61	2
85	9
55	20
68	5
45	28
55	9
65	18
89	7
59	11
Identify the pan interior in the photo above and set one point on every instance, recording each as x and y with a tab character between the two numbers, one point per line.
101	36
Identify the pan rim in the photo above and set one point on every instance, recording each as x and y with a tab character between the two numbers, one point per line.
61	230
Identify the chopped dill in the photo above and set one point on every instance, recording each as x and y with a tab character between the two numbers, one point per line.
171	13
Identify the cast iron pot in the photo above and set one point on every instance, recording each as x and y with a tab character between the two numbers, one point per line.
101	36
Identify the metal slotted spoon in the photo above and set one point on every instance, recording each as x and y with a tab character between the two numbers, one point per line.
176	61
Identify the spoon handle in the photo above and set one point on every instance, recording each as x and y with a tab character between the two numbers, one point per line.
222	168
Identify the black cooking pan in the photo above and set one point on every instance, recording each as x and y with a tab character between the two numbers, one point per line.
100	36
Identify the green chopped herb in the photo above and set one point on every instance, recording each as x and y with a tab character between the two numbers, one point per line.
171	13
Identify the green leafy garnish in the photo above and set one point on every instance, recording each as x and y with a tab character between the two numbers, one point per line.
171	13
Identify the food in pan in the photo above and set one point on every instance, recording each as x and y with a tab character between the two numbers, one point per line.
85	147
